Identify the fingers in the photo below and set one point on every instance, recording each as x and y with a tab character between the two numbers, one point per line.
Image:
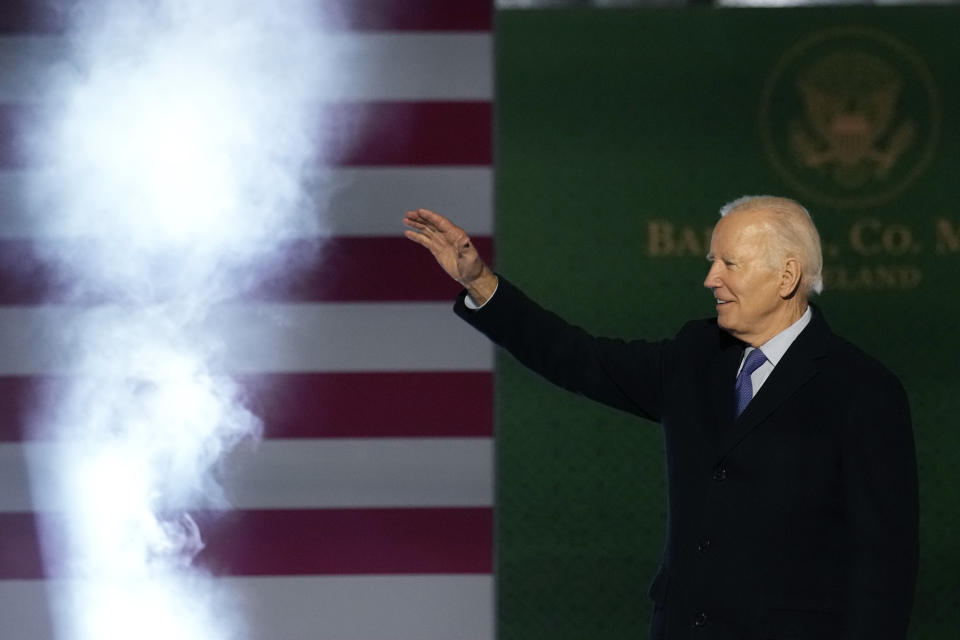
420	239
415	217
422	234
435	232
429	219
415	225
415	221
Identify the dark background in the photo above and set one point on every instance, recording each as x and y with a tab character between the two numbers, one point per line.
611	124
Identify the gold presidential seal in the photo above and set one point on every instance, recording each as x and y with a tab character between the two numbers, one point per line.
849	117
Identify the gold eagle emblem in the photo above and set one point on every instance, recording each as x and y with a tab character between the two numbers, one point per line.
849	100
849	116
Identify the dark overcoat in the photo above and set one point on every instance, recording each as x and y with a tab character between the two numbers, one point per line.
798	519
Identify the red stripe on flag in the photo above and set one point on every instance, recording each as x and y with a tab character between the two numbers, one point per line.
349	541
368	269
305	542
19	397
33	16
373	405
20	555
407	133
316	405
409	15
352	134
345	269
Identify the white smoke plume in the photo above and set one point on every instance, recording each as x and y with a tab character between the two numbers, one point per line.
175	151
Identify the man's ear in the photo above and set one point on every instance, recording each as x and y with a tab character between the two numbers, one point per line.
790	277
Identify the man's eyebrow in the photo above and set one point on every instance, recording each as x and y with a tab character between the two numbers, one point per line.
726	257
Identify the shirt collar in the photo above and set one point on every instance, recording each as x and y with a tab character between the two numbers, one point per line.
775	347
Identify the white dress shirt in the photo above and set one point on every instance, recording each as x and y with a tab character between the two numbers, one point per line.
774	348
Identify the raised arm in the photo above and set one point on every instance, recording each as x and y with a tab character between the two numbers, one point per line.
615	373
452	248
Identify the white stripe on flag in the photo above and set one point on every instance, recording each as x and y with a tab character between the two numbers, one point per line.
354	201
260	338
370	608
368	66
310	474
425	607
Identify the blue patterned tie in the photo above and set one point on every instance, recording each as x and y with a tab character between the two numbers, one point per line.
744	385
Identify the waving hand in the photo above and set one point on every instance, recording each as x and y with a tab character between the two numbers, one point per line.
452	248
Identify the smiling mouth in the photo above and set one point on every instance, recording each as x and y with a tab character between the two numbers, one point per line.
719	301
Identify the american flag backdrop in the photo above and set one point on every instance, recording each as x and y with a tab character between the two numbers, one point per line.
367	511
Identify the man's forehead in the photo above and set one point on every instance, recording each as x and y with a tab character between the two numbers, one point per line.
743	222
738	234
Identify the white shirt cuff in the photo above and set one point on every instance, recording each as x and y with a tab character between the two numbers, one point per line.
469	303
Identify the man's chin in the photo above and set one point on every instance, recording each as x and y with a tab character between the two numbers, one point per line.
724	321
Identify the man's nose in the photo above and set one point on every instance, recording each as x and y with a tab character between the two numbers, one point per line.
712	281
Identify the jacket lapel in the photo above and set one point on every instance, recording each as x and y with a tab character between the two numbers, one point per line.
722	376
798	365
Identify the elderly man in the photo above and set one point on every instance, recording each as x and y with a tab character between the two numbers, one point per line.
791	468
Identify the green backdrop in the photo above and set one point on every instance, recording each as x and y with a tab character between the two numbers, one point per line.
619	135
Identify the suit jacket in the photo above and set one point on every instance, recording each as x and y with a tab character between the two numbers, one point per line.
798	519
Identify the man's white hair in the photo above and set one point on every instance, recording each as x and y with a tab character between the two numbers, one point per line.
794	232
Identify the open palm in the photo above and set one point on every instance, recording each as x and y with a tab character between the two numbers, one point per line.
448	243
